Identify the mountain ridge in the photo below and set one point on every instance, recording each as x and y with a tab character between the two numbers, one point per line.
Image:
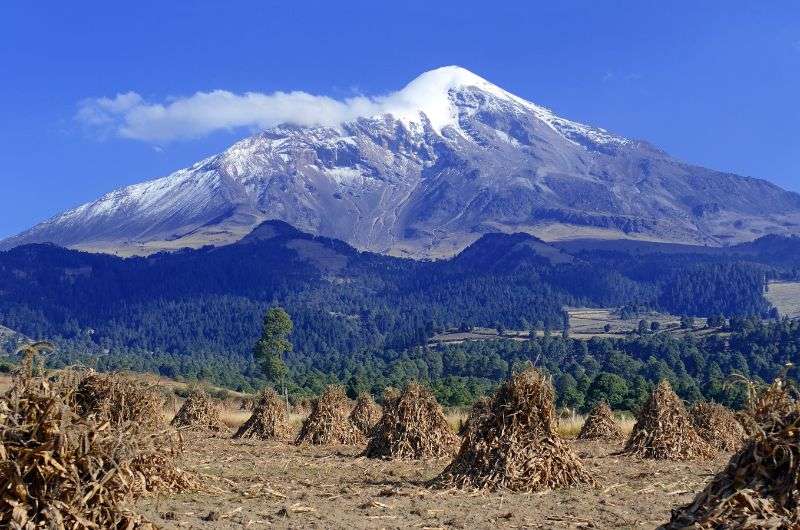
451	158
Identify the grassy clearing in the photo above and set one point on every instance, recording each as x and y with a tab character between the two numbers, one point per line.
786	297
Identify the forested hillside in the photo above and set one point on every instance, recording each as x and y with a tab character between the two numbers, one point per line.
197	312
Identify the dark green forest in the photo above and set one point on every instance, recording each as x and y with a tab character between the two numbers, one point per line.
365	319
621	371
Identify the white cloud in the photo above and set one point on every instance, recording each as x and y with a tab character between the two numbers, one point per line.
130	116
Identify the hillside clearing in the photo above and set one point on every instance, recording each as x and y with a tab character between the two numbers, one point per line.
785	296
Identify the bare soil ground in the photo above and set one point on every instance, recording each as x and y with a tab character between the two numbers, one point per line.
253	484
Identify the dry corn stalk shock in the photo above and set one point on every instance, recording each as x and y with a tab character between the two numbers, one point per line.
412	426
664	431
718	426
329	421
760	486
601	425
514	444
199	411
365	414
479	409
120	399
269	420
59	469
764	403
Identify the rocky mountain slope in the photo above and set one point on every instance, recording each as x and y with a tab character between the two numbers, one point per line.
454	158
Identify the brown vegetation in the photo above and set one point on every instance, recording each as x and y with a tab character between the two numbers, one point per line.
269	420
479	409
365	414
760	487
514	445
412	426
718	426
601	425
119	399
664	431
777	399
199	411
329	421
62	469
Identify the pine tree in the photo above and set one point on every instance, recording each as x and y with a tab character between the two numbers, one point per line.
273	343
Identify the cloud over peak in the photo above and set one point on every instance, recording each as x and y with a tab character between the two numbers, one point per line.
129	115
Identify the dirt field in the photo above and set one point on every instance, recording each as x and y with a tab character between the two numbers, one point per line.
277	485
584	323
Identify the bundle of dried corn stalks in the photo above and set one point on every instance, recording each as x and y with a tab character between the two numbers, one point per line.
248	404
61	470
601	425
329	421
765	403
479	409
759	488
199	411
269	420
663	430
514	445
718	426
303	407
365	414
119	399
412	426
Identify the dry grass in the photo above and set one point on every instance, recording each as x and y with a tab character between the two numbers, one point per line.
5	383
567	427
786	297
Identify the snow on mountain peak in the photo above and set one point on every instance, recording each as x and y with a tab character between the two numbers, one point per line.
429	94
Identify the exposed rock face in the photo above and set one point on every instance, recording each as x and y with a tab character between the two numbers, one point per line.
457	158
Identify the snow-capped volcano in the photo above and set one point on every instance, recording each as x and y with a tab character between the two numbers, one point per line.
426	171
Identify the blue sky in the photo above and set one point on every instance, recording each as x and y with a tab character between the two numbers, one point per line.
713	83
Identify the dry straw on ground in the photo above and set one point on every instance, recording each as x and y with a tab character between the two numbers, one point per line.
365	414
59	469
514	445
664	431
412	426
718	426
199	411
760	487
269	420
601	425
329	421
